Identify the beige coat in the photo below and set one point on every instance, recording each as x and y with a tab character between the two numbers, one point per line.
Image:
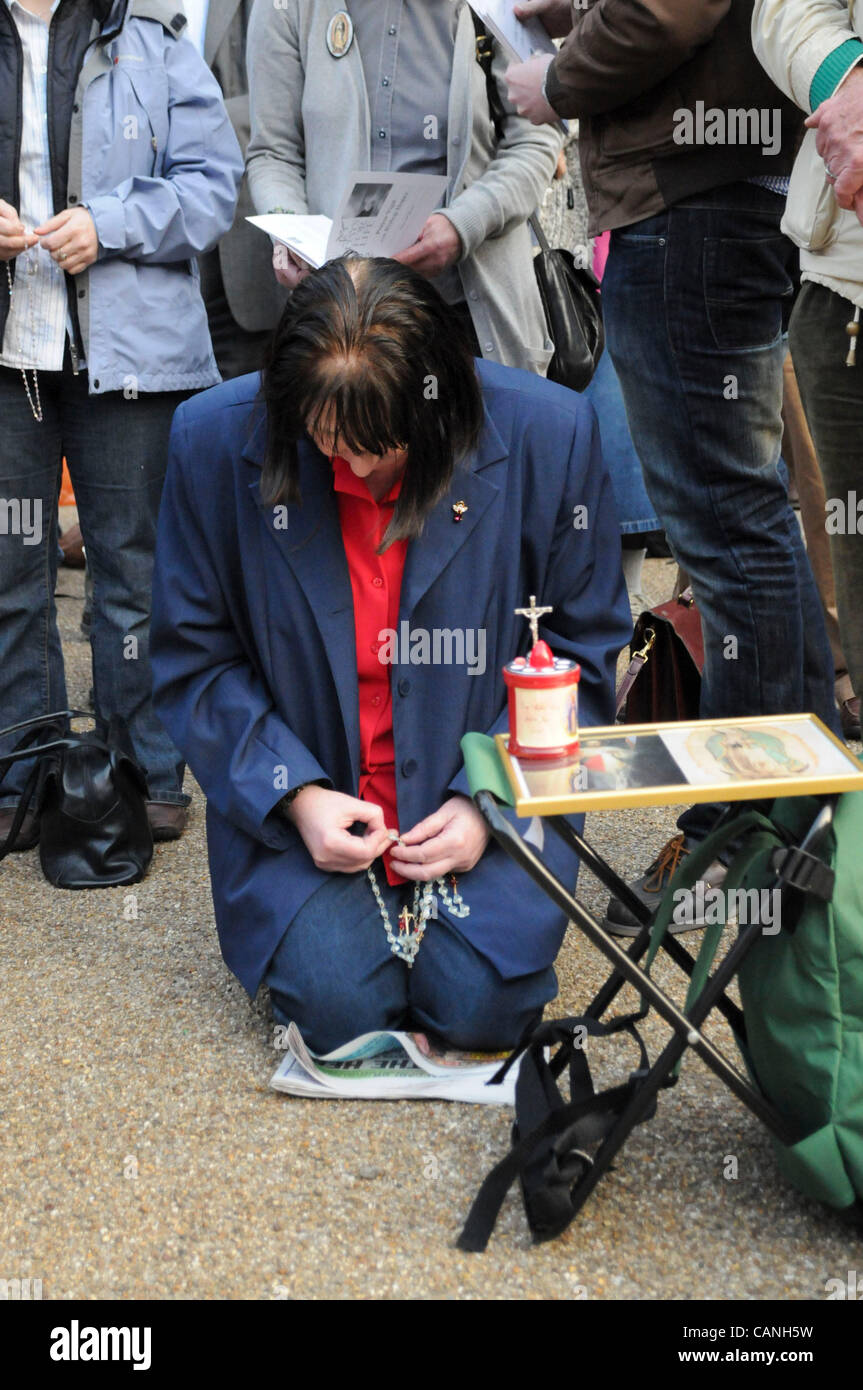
311	129
792	38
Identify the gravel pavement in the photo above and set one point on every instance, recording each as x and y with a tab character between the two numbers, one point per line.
143	1155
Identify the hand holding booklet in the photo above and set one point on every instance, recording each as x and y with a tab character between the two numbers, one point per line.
392	1066
379	215
519	38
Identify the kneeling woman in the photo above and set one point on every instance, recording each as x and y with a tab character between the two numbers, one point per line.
340	555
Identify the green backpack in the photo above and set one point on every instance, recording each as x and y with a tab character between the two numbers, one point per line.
801	986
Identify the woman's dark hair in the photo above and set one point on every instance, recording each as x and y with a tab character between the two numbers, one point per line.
367	350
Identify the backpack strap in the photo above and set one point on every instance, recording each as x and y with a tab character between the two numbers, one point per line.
550	1135
696	864
485	58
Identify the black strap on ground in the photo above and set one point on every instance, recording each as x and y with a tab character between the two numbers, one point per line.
550	1136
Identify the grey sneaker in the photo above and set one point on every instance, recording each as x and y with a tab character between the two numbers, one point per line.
651	886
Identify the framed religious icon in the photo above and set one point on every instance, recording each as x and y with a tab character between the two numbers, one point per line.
677	764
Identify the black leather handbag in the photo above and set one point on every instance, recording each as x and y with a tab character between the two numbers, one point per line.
89	792
570	297
569	292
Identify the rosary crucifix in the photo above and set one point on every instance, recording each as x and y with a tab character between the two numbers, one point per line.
533	615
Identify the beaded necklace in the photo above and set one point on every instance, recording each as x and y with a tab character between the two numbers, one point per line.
412	925
37	408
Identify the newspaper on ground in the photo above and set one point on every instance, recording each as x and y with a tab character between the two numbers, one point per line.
379	215
392	1066
519	38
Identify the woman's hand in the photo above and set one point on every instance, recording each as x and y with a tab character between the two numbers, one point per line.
14	238
451	840
323	819
71	239
289	269
437	247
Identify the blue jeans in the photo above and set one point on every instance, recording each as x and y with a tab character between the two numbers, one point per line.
633	504
335	976
116	450
695	301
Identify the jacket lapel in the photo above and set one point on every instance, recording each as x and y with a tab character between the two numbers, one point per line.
474	484
312	547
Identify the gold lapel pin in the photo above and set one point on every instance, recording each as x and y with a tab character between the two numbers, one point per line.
458	510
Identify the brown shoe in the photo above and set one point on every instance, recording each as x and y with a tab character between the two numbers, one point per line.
27	836
72	545
849	717
167	821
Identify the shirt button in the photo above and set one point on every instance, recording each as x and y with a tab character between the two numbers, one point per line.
385	81
375	700
73	197
378	582
404	686
382	135
456	139
392	29
473	295
409	767
488	347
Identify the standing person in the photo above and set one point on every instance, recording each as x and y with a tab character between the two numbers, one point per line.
299	534
686	150
118	166
395	85
799	454
243	303
815	54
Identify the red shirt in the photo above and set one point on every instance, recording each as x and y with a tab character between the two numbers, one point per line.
376	582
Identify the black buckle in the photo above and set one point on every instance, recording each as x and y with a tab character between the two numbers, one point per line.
803	871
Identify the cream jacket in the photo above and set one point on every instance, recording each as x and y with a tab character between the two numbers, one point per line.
792	38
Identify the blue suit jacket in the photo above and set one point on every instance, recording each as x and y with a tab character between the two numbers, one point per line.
254	654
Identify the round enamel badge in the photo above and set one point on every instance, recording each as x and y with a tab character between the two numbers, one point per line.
340	34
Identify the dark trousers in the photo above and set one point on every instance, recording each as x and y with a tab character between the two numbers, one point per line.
116	448
833	400
237	351
694	301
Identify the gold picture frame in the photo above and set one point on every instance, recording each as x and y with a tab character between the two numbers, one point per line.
629	765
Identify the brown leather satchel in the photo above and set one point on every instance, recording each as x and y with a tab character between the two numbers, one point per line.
663	682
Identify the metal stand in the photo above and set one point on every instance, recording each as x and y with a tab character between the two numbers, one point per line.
626	969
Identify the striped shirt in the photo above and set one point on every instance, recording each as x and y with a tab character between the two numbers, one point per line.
38	319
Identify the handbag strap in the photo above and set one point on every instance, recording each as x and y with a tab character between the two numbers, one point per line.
541	238
24	803
485	57
30	747
633	671
49	719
